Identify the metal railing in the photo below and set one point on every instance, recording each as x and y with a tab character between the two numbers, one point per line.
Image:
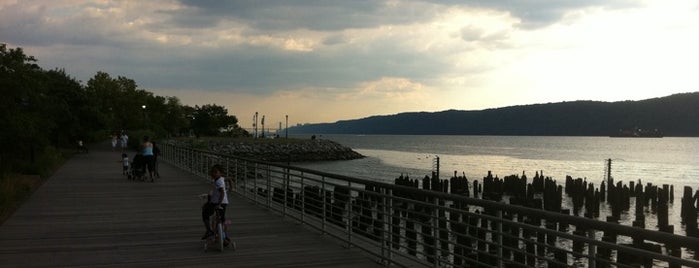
408	227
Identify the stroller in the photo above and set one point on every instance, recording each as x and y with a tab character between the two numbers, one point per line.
137	169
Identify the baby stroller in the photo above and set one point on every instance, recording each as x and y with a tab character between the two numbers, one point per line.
137	169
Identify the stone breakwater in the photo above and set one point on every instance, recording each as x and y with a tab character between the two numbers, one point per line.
281	150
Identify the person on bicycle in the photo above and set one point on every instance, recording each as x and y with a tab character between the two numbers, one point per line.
218	199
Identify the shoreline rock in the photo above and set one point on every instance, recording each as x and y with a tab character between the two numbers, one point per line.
280	151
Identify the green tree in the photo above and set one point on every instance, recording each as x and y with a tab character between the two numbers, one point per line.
41	110
20	116
211	120
175	117
66	107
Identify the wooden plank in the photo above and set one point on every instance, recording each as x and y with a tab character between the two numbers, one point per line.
88	214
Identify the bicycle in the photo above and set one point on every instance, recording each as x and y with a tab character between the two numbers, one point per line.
220	239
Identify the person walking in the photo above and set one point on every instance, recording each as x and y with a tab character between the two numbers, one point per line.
124	140
114	141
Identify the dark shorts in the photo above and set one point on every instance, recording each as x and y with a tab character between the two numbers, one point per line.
208	209
150	162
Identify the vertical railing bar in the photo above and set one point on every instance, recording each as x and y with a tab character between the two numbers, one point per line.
434	226
387	226
255	190
303	198
349	214
322	197
591	250
285	185
500	235
269	186
236	179
247	179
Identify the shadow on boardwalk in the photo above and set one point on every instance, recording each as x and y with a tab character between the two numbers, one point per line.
88	214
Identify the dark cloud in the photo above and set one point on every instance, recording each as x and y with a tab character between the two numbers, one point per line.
342	14
36	27
318	15
261	71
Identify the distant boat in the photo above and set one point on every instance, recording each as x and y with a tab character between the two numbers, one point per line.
638	133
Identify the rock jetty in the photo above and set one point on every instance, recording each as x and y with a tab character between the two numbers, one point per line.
282	150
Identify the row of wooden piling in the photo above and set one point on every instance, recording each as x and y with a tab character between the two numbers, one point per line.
417	226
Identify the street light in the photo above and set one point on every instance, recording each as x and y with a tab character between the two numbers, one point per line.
254	125
286	128
145	118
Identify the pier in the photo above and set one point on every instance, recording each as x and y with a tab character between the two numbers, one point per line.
419	223
288	216
87	214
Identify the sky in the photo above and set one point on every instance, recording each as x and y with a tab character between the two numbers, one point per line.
323	61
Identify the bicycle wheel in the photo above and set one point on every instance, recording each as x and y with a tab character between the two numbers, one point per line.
221	235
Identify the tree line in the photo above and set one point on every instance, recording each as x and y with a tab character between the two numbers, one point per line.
675	115
44	110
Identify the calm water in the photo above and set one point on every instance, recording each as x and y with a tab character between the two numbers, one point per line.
672	161
666	160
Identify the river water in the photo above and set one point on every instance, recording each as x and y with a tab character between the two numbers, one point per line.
673	161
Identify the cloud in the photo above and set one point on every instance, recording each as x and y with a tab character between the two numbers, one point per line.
459	54
276	15
534	14
386	95
316	15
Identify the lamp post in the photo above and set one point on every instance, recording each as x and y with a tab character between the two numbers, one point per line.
263	125
286	127
254	125
145	119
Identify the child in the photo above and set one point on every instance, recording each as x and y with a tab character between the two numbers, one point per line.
217	201
124	163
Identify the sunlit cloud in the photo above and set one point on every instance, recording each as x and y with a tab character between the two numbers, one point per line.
347	59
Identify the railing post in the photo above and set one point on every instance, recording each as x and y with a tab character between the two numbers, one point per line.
269	186
435	233
286	187
254	184
191	161
303	200
322	193
236	176
591	250
387	238
500	235
229	183
245	185
349	214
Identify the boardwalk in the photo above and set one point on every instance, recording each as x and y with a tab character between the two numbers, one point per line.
88	215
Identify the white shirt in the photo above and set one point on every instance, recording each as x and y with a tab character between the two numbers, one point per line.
220	183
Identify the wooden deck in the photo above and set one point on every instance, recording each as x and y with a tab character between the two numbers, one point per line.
89	215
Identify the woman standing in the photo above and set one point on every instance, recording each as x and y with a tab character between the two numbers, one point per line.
147	151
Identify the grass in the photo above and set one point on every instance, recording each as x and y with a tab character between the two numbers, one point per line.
16	188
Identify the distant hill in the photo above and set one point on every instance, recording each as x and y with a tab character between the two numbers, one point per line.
675	115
